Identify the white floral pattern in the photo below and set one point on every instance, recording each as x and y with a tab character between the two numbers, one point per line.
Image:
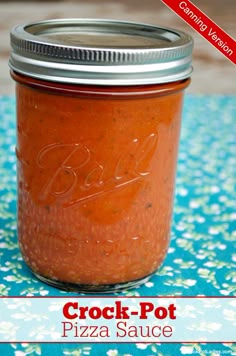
201	259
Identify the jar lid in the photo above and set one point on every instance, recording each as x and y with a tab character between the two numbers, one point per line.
100	52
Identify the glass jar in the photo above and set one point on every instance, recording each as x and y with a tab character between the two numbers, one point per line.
98	119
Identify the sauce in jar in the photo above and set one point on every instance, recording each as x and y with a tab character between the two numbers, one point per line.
98	117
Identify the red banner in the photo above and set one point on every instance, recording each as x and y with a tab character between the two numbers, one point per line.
205	26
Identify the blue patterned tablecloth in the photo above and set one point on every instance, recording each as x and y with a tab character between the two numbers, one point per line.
202	255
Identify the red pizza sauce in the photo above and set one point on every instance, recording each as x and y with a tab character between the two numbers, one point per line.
96	174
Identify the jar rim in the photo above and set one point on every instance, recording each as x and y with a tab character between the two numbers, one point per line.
101	52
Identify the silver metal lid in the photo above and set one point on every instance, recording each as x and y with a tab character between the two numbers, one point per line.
100	52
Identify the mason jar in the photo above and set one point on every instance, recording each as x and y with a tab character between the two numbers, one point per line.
98	122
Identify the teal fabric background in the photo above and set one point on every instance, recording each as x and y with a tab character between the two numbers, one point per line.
202	256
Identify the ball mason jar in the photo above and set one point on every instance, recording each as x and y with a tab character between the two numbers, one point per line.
98	121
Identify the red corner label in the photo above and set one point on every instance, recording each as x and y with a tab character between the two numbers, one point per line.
205	26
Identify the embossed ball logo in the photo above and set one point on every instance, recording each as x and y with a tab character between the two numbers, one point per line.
74	168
